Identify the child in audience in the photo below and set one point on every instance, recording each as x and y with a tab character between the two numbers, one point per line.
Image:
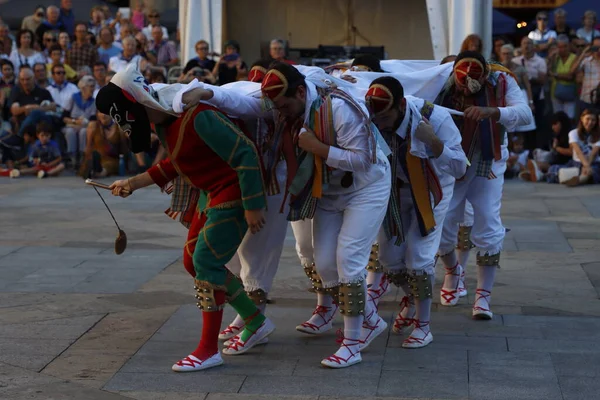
45	158
517	159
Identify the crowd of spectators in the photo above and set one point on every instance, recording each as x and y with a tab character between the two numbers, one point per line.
52	68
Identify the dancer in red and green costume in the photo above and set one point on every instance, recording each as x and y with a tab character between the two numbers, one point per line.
213	155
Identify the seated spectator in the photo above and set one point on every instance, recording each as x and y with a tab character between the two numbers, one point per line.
100	76
105	142
32	22
230	67
142	45
109	75
107	48
542	36
97	21
7	83
61	90
66	15
545	165
29	104
587	32
585	145
161	52
41	75
564	89
15	151
55	56
157	77
199	67
52	23
154	18
126	31
472	42
128	55
81	53
277	51
80	109
587	66
65	43
6	43
45	157
153	156
50	39
517	158
24	54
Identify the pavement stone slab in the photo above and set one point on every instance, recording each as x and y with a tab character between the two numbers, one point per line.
428	359
311	385
576	365
553	346
177	382
424	384
579	388
454	342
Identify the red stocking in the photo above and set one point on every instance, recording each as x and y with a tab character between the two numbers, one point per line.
211	326
198	222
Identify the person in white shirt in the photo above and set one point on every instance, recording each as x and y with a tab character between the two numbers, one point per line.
426	147
585	143
587	32
154	18
349	209
24	54
487	117
542	36
61	90
118	63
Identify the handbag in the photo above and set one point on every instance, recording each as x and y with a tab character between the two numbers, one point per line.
564	174
565	92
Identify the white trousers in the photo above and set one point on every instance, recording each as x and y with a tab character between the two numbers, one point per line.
304	241
257	258
344	229
469	214
485	195
417	253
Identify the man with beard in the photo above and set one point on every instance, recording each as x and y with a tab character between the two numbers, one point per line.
492	103
426	159
215	157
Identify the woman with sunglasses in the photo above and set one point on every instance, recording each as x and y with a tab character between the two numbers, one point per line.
24	54
32	22
542	36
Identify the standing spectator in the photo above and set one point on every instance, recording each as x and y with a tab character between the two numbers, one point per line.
24	54
67	18
161	52
560	24
542	36
97	21
50	39
201	66
6	43
61	90
55	58
28	102
564	90
52	23
126	31
138	18
154	18
81	53
32	22
107	48
472	43
537	71
230	67
99	75
587	32
128	55
277	51
496	54
40	75
588	66
80	108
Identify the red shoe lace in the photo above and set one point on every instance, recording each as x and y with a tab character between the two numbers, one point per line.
418	325
188	362
450	294
341	339
241	343
400	321
230	329
321	311
482	294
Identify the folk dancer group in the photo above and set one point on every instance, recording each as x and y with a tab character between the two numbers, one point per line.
379	182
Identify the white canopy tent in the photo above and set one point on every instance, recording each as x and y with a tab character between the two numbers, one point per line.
449	21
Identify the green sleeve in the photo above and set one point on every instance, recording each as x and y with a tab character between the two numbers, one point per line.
237	150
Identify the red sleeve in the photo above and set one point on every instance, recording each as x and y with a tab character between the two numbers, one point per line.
163	173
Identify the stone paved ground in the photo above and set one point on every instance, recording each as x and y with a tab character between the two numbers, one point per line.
78	322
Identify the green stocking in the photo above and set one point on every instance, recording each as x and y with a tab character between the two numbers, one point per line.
245	307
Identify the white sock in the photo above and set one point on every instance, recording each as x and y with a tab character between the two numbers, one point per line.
451	277
422	318
463	257
374	280
449	259
485	281
352	329
325	309
238	322
371	316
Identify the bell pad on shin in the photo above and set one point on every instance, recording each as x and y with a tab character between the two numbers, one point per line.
205	294
398	278
314	277
488	260
421	286
352	298
334	292
464	238
374	265
258	296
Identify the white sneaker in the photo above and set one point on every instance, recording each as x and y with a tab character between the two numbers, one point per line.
240	347
191	363
369	333
15	173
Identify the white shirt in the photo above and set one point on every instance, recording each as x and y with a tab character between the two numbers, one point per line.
587	36
148	32
535	66
118	63
517	111
62	94
542	37
19	59
585	146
